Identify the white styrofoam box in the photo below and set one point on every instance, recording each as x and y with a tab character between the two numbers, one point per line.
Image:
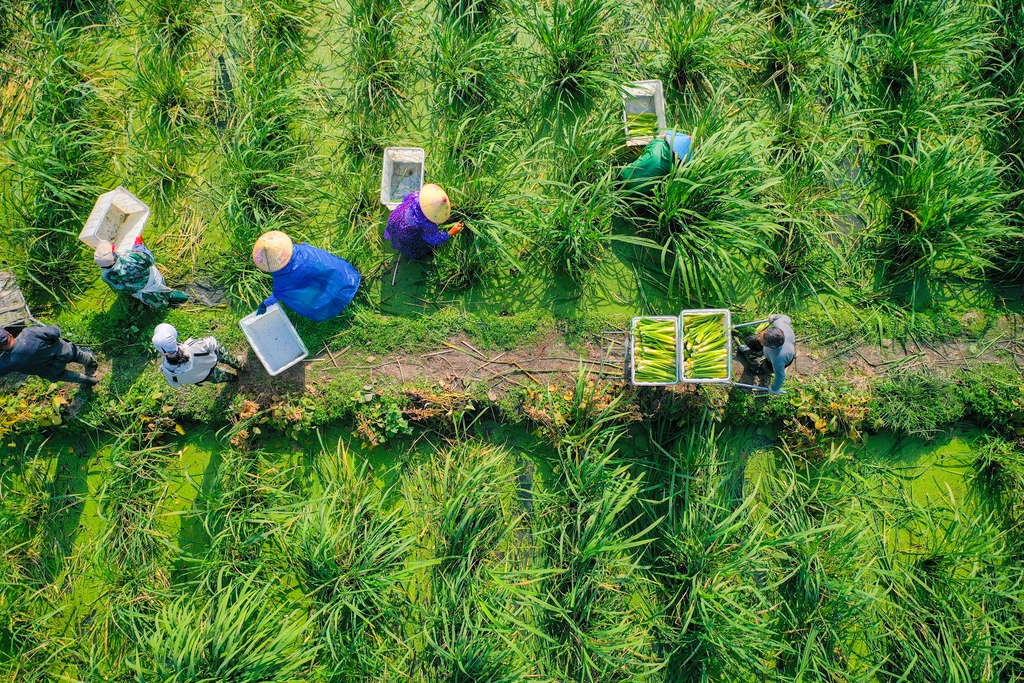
118	217
402	174
727	330
274	339
632	343
643	97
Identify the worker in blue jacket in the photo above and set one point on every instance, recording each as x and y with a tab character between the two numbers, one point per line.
312	282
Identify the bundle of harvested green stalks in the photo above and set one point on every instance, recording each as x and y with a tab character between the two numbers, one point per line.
705	346
654	351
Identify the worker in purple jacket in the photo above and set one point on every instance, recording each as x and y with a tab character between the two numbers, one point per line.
412	226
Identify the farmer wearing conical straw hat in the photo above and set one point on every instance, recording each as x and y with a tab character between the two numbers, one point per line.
412	226
136	273
312	282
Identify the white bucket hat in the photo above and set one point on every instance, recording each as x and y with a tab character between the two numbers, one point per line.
165	338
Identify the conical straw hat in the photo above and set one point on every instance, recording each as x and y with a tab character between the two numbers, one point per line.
272	252
434	204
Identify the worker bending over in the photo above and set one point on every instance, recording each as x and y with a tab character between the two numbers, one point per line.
776	345
194	361
41	351
136	274
412	226
312	282
656	162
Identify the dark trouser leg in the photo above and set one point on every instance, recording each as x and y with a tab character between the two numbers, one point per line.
224	357
218	376
77	378
70	353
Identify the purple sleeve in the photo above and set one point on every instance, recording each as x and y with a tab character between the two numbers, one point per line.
433	236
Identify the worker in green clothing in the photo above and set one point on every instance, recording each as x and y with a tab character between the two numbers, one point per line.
656	162
136	274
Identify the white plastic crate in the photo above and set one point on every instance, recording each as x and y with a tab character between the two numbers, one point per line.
117	217
726	330
643	97
630	351
274	339
402	174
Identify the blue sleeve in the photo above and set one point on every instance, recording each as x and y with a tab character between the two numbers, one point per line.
433	236
270	301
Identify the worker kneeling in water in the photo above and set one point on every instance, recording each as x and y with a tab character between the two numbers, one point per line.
412	226
773	350
193	362
312	282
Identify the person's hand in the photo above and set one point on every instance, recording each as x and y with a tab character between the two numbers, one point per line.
261	309
138	241
456	229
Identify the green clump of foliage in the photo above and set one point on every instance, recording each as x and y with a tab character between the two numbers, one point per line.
918	403
993	395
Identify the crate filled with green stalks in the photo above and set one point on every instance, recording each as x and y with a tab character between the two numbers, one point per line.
707	346
654	351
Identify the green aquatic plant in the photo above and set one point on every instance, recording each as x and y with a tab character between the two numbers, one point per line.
130	502
470	73
58	149
711	216
240	634
351	553
939	213
377	57
176	23
578	224
575	39
589	556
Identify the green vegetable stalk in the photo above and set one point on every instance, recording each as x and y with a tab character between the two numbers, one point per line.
705	346
654	351
642	124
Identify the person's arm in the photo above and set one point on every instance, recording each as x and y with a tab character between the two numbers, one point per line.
267	303
141	248
203	346
49	334
433	236
780	377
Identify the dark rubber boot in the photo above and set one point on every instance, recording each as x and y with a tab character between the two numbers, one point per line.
87	359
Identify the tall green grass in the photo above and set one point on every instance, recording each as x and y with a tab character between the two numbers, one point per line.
237	634
939	213
712	216
59	152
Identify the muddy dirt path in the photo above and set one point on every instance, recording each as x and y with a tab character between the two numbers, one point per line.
458	364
